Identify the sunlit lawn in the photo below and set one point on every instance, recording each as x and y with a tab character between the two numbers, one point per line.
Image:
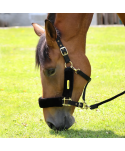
20	87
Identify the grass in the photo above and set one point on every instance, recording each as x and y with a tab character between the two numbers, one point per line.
20	86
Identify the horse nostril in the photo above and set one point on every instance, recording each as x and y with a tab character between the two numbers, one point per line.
51	125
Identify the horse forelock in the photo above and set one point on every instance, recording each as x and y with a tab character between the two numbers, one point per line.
42	51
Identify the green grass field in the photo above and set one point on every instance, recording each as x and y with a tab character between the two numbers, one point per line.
20	86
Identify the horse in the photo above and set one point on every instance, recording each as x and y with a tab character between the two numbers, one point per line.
72	29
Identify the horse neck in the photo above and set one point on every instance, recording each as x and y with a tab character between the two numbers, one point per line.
73	29
76	43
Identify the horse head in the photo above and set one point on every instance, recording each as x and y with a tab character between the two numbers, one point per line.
52	65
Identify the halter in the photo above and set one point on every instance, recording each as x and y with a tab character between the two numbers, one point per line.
66	100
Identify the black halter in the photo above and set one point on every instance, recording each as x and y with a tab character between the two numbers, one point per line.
66	100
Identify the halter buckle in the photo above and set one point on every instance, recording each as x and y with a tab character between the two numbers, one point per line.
65	52
80	104
64	101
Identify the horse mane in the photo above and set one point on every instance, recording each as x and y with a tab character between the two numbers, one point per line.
51	17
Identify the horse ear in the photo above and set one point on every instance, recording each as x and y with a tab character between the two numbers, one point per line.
50	30
38	29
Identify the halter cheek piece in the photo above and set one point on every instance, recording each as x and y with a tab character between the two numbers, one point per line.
66	100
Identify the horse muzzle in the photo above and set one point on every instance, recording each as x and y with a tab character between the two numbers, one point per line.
61	120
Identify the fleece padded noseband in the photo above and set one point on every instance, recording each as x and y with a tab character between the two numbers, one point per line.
68	82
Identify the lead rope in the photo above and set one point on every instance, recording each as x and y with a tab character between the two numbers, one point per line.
94	106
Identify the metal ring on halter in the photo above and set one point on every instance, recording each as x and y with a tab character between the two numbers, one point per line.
70	65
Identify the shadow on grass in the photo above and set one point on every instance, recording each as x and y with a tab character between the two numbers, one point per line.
85	134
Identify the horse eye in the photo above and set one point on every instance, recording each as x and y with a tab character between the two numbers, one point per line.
49	72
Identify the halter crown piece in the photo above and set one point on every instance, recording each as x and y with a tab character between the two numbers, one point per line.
66	100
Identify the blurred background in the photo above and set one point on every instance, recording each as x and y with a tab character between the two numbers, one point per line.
25	19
